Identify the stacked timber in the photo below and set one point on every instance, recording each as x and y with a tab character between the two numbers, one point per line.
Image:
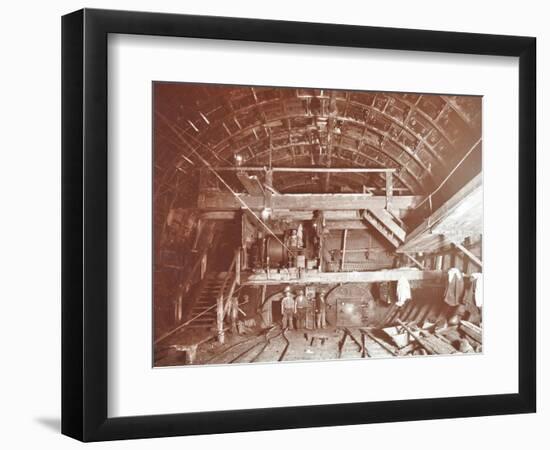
409	339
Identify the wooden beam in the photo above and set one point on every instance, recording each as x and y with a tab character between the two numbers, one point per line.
389	348
335	216
307	169
251	184
347	277
183	325
414	260
223	201
219	319
416	336
344	242
264	291
218	215
469	254
389	222
197	235
428	243
336	220
345	224
238	266
389	190
471	330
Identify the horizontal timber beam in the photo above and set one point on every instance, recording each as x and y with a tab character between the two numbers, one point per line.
350	277
346	225
303	202
305	169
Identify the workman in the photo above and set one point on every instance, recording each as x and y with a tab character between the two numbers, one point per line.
293	239
288	309
234	314
321	310
301	307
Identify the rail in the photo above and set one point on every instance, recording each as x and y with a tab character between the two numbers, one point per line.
251	349
191	276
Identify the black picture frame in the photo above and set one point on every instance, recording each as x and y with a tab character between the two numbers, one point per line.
84	224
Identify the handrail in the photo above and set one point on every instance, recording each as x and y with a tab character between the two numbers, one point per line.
223	309
191	275
229	276
179	327
220	293
429	196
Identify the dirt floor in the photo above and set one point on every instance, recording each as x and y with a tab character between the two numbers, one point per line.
274	345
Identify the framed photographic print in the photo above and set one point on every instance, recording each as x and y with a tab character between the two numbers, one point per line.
274	225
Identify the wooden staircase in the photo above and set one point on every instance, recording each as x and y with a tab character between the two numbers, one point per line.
386	224
206	297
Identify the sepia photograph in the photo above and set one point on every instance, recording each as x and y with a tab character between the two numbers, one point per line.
313	224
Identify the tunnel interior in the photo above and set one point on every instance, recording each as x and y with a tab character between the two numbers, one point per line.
365	207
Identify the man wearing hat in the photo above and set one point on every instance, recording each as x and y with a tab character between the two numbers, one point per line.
288	309
321	309
301	306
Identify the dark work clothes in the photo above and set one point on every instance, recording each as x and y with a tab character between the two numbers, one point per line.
320	303
385	292
469	294
471	299
301	301
474	290
300	318
301	306
455	290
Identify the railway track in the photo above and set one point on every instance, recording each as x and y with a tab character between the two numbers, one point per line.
349	346
362	343
255	349
276	344
273	344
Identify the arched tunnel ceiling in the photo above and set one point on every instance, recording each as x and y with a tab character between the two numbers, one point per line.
422	136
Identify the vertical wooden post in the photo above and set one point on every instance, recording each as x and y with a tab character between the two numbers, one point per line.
233	312
319	220
266	311
466	261
389	190
179	308
268	194
238	266
204	262
197	236
269	178
219	319
321	250
344	249
264	291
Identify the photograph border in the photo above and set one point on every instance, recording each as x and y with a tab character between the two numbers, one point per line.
85	232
